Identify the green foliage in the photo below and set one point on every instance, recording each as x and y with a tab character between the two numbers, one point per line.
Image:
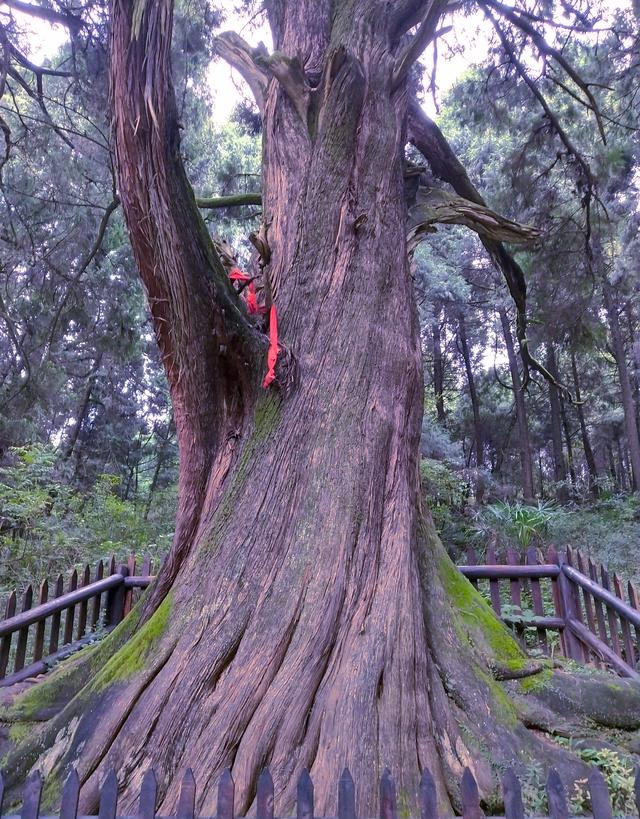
534	794
608	530
445	490
516	522
47	525
618	771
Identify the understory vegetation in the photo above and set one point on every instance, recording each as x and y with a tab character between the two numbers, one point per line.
607	529
48	525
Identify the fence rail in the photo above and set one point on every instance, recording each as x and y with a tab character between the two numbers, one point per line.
64	620
595	623
558	805
562	598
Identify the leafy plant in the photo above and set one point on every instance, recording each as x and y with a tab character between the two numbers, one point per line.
517	522
618	772
48	526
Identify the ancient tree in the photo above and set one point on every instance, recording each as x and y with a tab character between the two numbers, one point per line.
307	615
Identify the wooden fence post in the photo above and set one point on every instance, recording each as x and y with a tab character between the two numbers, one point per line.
264	795
148	795
38	643
513	807
114	612
31	796
23	634
5	642
70	796
470	796
388	807
573	647
556	796
108	797
346	796
128	597
600	802
187	799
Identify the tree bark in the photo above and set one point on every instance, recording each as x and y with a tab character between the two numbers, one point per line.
559	463
307	615
161	456
84	405
473	393
438	369
626	393
568	441
590	460
524	446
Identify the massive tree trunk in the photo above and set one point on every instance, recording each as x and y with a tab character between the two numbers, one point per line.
307	615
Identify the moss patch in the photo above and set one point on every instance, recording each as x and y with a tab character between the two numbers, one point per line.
131	658
475	619
535	683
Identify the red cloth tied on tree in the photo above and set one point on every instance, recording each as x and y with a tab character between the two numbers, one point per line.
272	355
254	308
236	275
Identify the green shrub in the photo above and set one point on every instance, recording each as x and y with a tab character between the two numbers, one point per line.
48	526
516	522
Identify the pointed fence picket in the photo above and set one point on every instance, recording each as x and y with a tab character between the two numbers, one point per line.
186	808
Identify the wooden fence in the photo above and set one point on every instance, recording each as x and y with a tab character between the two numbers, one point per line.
567	601
557	802
64	620
569	595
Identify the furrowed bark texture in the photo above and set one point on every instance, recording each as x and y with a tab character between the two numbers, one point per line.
208	347
309	621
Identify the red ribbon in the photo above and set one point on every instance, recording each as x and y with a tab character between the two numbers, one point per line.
272	355
236	275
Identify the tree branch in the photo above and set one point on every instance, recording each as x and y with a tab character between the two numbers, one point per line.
239	54
420	40
587	179
437	206
232	201
71	21
431	142
211	350
290	75
548	50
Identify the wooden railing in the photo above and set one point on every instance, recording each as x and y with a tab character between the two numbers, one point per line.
35	637
514	808
563	602
579	600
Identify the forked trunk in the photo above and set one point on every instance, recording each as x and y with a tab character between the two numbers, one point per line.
305	616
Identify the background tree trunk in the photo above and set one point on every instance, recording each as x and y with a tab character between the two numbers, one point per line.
628	403
438	369
592	469
526	460
559	463
473	394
